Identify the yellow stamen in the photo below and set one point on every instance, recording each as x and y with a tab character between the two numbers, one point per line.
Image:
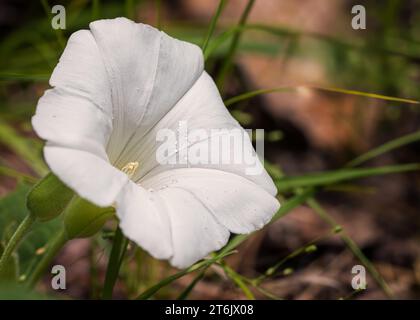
130	168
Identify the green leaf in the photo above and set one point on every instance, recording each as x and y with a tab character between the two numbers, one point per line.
332	177
48	198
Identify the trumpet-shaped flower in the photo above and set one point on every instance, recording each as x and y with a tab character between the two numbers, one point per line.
115	87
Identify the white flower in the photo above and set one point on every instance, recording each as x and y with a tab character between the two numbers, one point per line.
115	87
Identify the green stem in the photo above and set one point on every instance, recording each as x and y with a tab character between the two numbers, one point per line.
14	241
53	248
119	246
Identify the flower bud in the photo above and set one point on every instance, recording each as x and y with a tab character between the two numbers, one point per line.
48	198
82	219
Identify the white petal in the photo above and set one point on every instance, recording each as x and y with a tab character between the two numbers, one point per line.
170	223
202	108
144	219
68	120
195	232
81	70
237	203
90	176
149	72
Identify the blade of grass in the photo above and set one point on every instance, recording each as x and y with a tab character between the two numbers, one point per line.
119	246
351	188
365	94
227	63
218	41
352	246
332	177
386	147
213	24
251	94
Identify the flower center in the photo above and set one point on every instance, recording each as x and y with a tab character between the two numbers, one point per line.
130	168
